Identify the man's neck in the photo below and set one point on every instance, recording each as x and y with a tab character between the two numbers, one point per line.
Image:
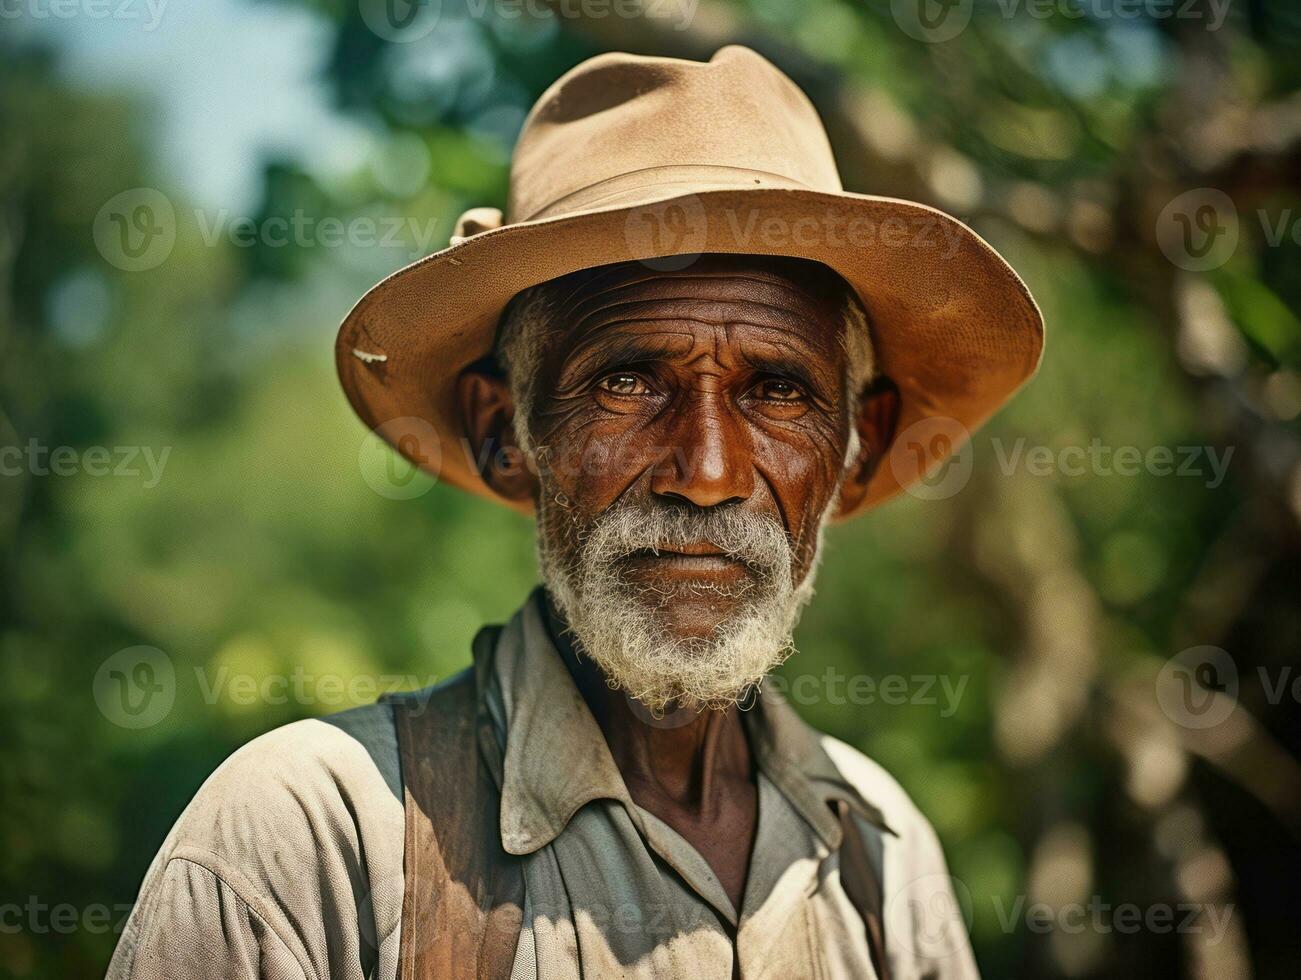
693	771
690	760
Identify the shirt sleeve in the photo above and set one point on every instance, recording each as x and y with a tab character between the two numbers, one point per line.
927	911
286	865
189	924
928	907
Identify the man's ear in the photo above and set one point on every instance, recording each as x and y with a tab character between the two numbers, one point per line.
487	413
878	414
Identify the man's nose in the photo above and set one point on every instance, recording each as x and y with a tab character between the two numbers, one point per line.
708	459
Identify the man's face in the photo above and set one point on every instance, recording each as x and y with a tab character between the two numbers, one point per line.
690	432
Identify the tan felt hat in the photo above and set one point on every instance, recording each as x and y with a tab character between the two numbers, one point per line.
660	160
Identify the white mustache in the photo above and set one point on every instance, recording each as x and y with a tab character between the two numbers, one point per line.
626	529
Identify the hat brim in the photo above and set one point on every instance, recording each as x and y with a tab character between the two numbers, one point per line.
953	325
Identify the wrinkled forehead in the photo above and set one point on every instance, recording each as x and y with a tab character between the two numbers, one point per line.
791	295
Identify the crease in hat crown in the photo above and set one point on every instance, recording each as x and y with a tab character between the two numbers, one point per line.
726	122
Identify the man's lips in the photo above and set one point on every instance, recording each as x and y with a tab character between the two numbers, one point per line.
688	561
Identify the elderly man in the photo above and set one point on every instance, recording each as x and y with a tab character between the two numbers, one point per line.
686	351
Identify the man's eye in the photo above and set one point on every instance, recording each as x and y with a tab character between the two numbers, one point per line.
777	390
623	383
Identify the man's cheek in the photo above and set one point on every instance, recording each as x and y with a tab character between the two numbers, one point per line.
613	453
797	467
804	482
603	460
571	455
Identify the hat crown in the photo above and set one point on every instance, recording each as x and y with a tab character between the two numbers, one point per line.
617	115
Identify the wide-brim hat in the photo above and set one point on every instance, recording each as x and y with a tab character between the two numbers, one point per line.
631	158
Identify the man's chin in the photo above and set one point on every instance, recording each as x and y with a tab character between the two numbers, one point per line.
688	617
696	650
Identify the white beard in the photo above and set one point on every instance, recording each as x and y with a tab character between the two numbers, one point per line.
619	624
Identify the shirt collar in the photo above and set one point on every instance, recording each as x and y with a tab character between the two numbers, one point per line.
792	755
555	758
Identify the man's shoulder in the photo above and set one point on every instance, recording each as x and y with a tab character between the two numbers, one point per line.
877	786
298	832
336	749
336	776
925	907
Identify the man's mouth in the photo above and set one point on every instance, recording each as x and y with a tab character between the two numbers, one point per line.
685	562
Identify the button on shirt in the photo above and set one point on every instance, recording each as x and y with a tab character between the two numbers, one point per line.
288	862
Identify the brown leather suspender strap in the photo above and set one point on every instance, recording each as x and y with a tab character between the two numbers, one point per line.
860	877
462	904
